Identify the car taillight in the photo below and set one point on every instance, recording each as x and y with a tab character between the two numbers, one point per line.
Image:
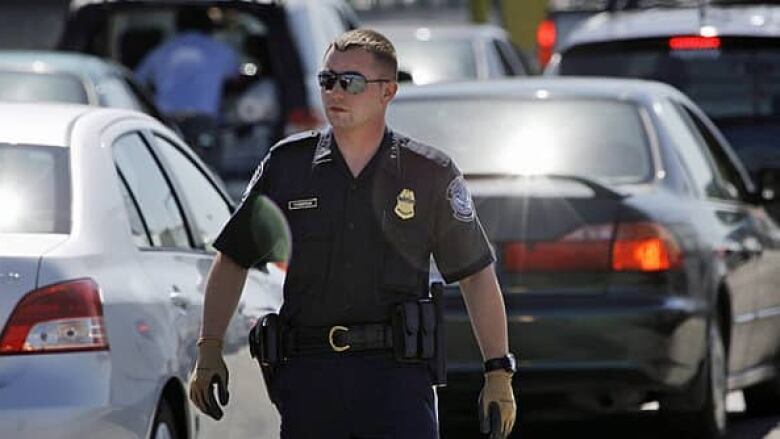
545	41
302	119
694	43
585	249
64	317
645	246
638	246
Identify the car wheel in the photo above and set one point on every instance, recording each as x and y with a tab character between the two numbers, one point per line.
709	420
164	423
764	398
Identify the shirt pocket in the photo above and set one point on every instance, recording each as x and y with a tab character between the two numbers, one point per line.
312	241
405	259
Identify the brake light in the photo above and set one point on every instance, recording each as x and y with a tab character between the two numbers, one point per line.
645	246
545	41
302	119
694	43
638	246
65	317
585	249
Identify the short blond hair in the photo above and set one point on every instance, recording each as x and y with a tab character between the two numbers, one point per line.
372	42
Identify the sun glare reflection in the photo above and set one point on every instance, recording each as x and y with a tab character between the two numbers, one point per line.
10	208
533	155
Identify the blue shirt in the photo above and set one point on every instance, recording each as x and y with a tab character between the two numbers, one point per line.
188	72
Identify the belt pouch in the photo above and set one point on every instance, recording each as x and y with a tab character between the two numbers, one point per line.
406	328
428	329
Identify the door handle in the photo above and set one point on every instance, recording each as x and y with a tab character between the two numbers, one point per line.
178	299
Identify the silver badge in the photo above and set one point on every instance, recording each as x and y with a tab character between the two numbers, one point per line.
460	200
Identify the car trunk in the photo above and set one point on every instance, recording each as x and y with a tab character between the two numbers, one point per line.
20	255
541	228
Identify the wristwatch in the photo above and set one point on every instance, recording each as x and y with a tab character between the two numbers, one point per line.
507	363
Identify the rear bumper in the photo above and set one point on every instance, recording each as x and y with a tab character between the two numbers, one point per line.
591	345
64	396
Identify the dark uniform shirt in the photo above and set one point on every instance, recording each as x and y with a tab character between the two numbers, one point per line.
361	243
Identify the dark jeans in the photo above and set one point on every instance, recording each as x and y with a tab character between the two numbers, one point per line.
354	396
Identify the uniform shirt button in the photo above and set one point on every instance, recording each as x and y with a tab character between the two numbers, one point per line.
353	186
351	226
348	265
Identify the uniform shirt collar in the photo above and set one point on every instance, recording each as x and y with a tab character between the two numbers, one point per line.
389	151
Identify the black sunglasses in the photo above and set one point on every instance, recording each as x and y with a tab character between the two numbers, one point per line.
351	82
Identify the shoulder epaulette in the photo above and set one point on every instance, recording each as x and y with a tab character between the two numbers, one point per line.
429	152
295	139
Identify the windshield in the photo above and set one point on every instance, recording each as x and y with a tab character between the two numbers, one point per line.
599	139
41	87
34	189
741	78
435	61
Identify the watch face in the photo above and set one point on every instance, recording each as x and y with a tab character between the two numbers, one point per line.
512	361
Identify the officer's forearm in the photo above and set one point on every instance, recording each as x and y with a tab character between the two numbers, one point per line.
486	309
223	289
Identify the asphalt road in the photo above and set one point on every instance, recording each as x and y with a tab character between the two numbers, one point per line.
251	415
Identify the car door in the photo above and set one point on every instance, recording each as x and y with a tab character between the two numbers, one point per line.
166	248
207	210
744	244
761	244
724	223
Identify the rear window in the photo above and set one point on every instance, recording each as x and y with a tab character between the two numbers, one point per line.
738	79
600	139
34	189
41	87
435	61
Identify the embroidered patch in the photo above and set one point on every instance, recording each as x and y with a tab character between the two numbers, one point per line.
307	203
404	206
460	200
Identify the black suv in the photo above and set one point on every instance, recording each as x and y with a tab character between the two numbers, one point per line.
723	55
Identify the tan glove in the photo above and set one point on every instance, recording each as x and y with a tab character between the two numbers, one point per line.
497	392
210	369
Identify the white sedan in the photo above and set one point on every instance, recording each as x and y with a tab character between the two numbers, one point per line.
106	221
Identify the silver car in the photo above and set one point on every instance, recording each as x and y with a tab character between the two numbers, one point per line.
106	226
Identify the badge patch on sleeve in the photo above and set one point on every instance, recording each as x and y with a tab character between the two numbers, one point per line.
460	200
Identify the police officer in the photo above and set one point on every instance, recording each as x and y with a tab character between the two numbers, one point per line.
367	207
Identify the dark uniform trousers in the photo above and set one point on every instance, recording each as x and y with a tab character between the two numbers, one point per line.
366	396
360	245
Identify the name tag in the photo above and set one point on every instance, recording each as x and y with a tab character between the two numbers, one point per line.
308	203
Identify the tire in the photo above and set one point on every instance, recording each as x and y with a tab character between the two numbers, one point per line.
763	399
164	426
708	420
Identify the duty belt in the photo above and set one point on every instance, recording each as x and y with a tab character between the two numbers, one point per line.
338	338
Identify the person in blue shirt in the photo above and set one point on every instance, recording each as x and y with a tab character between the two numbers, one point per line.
188	72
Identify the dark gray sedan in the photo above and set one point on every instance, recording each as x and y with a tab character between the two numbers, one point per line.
636	259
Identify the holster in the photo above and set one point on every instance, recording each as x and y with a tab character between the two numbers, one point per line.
265	345
418	333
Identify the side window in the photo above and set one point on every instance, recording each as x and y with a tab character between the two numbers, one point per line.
114	93
730	176
690	151
209	209
137	226
152	192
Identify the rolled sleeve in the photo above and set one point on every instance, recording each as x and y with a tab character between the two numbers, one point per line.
460	246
